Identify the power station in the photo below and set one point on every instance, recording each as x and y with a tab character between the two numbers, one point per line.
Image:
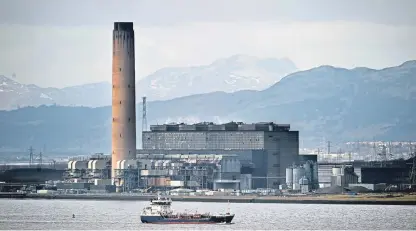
229	158
123	98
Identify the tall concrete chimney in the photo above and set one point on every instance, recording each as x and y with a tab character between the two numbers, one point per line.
124	98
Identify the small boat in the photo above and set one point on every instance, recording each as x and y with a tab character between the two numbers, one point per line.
160	212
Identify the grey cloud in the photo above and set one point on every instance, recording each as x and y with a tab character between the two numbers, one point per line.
165	12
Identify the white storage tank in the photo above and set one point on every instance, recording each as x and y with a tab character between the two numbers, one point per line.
126	164
70	164
119	164
90	163
298	173
289	176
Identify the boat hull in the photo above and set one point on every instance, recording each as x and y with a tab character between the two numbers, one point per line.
203	220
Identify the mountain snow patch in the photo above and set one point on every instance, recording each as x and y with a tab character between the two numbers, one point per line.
42	95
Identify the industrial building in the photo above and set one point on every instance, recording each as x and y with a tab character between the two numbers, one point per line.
192	171
343	176
93	174
267	148
158	172
232	156
224	172
302	177
400	173
367	174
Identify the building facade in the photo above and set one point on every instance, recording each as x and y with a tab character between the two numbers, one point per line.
267	147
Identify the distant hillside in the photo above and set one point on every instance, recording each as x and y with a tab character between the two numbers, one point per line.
238	72
335	103
16	95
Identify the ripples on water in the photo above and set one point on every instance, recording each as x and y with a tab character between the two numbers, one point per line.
125	215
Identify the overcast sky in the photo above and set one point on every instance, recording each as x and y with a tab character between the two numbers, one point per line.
62	43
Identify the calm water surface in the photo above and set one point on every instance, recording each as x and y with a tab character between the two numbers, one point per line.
125	215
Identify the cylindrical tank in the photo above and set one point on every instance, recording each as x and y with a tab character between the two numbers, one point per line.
73	164
70	164
122	164
80	164
336	171
298	173
123	94
289	176
99	164
90	164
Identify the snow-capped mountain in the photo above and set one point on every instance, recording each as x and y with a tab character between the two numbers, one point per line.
14	95
238	72
324	102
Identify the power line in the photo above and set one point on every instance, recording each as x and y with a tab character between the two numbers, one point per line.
31	150
144	116
329	147
40	159
413	171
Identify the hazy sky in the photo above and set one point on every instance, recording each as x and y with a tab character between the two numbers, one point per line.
63	43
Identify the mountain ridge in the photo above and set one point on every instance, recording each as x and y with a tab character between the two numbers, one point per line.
238	72
337	104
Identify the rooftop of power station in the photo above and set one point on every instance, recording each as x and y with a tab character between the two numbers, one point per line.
210	126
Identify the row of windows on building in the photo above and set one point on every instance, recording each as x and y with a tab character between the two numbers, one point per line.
211	136
175	145
202	140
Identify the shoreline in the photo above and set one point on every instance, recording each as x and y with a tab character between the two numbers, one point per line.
328	199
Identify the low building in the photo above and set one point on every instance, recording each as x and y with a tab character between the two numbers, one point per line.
343	176
191	171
